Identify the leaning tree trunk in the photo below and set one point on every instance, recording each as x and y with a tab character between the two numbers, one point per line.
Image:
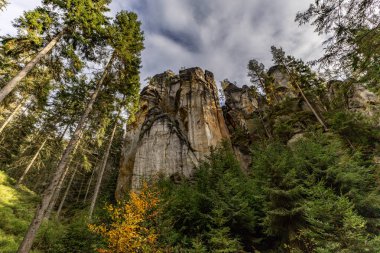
101	171
15	80
80	190
31	163
263	123
307	101
89	184
9	119
311	107
27	242
67	191
57	190
55	196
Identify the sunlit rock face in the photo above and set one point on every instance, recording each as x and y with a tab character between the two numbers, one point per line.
242	108
364	101
282	87
354	97
240	105
179	119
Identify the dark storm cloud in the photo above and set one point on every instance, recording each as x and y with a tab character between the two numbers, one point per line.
188	40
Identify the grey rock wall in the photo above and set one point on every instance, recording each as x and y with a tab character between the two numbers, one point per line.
179	119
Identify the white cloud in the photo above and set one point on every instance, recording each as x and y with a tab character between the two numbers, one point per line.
222	35
14	9
218	35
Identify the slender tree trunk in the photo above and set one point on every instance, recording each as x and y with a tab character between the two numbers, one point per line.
57	190
101	172
15	80
89	184
27	242
9	119
263	123
67	191
80	190
311	107
307	101
63	133
31	163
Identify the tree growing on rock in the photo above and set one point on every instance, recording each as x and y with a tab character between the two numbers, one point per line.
301	77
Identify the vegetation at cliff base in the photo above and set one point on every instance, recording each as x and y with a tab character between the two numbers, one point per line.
313	196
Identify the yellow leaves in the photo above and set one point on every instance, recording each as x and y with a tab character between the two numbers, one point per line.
133	224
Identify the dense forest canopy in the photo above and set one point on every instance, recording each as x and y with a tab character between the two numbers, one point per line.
70	87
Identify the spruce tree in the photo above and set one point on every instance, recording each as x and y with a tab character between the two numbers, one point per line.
301	78
352	29
76	22
126	39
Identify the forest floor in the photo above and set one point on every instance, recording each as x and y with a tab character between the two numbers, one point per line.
17	205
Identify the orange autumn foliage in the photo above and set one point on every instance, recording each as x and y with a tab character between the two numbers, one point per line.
133	224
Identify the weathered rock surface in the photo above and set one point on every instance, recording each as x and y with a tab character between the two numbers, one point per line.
179	119
354	97
364	101
282	87
243	116
240	105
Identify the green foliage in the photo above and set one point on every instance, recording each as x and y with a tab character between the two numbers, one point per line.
257	74
316	196
213	211
15	213
34	24
50	237
78	238
220	235
355	127
334	225
298	72
353	32
312	196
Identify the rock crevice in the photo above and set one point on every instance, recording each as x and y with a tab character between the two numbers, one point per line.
179	119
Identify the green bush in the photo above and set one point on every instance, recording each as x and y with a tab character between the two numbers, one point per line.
213	211
316	196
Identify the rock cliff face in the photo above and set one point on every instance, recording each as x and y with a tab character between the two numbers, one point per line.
240	105
179	119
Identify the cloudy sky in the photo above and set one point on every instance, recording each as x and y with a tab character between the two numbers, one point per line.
218	35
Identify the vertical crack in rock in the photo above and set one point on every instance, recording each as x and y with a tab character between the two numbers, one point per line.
179	119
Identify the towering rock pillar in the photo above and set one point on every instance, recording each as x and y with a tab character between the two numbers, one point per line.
178	121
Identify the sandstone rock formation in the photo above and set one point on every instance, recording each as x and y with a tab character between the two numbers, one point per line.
364	101
240	105
243	112
354	97
179	119
282	87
